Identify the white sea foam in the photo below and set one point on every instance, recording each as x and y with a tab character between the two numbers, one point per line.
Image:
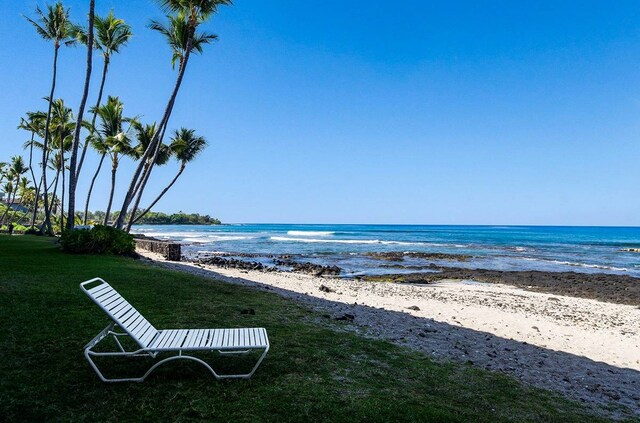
310	233
587	265
343	241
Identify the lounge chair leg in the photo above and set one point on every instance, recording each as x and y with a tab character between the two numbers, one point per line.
248	375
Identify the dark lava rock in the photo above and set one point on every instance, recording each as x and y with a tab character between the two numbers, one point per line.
309	268
347	317
400	255
324	288
414	308
231	263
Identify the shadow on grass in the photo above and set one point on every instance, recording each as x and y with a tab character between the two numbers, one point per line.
598	384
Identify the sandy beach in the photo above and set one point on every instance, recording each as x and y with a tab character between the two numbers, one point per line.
586	349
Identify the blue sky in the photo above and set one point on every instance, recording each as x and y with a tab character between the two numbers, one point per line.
461	112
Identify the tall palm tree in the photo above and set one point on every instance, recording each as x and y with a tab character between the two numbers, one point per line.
185	146
113	138
76	138
195	12
63	127
34	123
111	34
52	25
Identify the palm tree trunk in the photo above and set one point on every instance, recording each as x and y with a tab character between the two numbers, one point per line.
153	145
55	189
46	225
95	113
33	176
62	196
114	169
164	191
7	209
73	176
93	181
145	177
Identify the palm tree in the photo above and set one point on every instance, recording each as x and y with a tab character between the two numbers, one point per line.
111	34
195	12
185	146
63	128
34	123
15	171
101	148
76	138
112	138
3	171
52	25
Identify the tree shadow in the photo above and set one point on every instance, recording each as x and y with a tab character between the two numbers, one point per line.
596	384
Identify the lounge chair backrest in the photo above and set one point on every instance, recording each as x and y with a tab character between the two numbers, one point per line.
118	309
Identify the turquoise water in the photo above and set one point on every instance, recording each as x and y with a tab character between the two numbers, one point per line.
579	249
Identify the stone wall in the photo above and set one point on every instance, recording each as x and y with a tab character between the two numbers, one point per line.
169	250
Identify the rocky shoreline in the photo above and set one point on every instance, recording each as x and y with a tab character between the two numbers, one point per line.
620	289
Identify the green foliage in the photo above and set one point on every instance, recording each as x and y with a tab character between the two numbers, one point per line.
98	240
32	231
180	218
16	228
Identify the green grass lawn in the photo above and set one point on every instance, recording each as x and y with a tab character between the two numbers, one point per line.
312	373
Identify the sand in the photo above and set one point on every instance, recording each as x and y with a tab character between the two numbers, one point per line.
586	349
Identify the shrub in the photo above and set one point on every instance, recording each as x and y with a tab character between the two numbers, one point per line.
98	240
33	231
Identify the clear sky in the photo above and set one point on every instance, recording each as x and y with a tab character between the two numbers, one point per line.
333	111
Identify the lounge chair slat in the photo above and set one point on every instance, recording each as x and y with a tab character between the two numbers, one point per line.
123	312
108	289
114	302
198	337
96	289
105	294
107	302
177	343
188	341
216	338
165	339
120	308
203	338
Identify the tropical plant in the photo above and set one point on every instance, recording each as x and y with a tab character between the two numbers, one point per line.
185	147
195	12
111	34
112	138
14	171
52	25
63	128
76	138
34	123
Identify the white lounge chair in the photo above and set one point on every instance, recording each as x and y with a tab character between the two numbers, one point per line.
153	341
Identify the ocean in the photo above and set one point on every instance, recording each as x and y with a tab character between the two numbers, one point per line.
355	248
